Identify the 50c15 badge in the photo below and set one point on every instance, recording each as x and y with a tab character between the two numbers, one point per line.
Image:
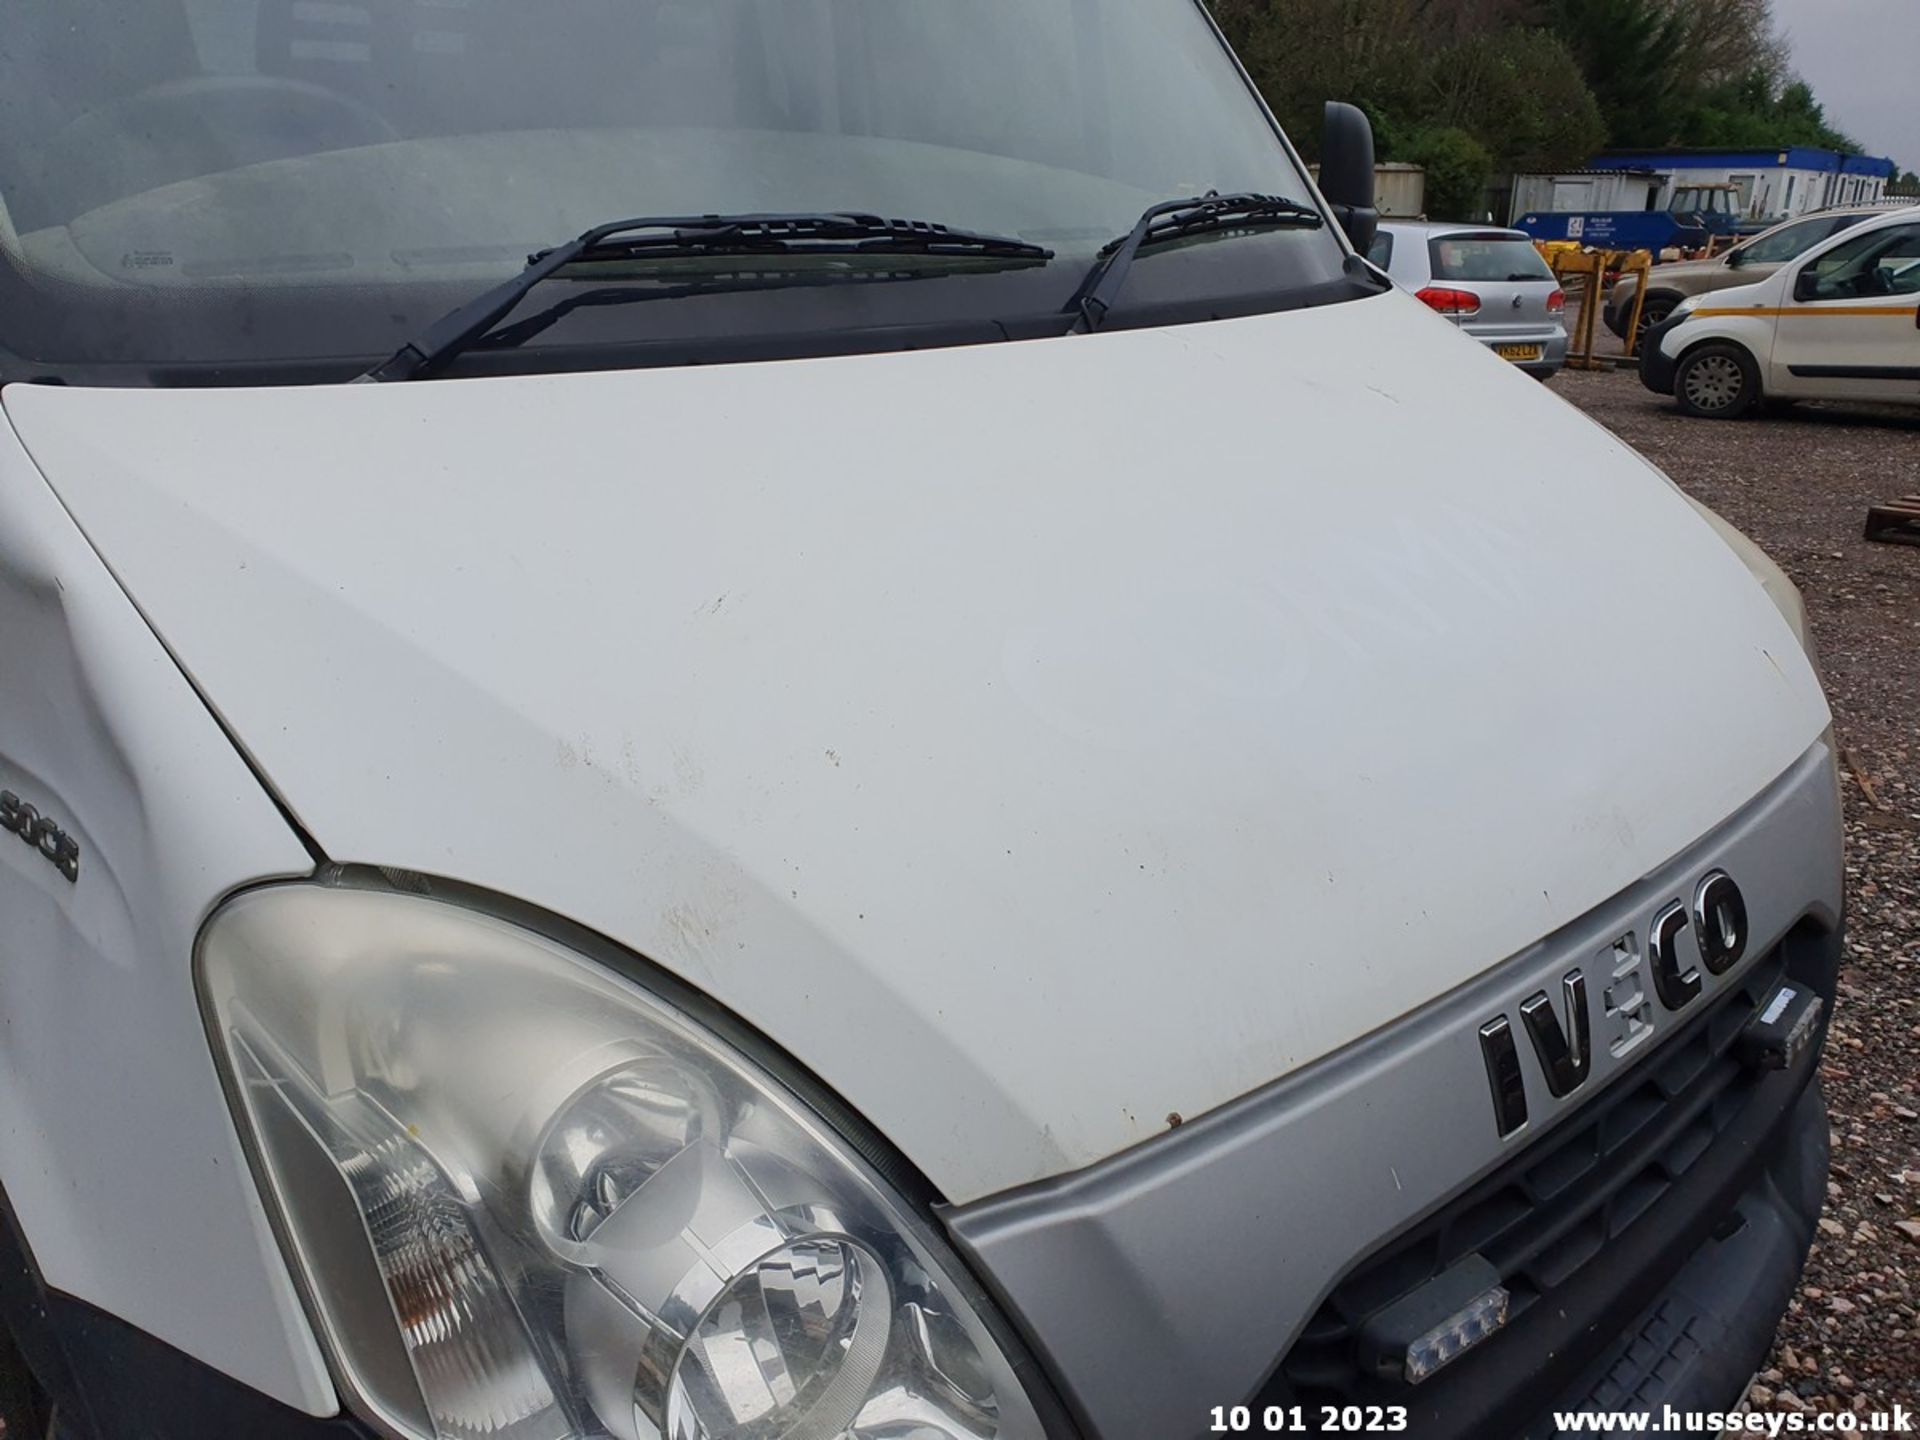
60	848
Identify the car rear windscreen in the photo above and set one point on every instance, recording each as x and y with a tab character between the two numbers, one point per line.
1487	257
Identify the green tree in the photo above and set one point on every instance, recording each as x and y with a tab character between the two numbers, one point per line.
1458	168
1419	65
1520	93
1805	117
1505	85
1302	53
1758	111
1633	54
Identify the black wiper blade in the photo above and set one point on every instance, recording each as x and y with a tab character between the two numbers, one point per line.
1175	220
827	234
838	233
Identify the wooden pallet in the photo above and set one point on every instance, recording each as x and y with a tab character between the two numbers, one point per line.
1897	523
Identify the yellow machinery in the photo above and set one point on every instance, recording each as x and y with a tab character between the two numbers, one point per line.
1587	271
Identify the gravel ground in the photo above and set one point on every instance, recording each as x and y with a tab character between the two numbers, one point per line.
1800	484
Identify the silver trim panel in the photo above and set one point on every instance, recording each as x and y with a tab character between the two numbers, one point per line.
1173	1277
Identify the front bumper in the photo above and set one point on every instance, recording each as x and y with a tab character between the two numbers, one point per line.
1184	1274
1241	1259
1690	1341
116	1382
1657	368
1705	1333
1676	1308
95	1377
1552	343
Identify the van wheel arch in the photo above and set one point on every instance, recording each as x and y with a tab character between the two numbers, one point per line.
1656	308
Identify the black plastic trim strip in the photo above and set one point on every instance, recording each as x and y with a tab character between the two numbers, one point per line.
140	1388
1523	1370
1501	1400
108	1380
26	1318
1341	287
1855	372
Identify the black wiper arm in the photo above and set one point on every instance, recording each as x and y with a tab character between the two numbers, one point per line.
848	233
1175	220
509	337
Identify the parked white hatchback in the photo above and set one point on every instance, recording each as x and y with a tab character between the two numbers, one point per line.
1840	323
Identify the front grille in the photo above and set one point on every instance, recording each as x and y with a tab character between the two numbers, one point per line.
1555	1207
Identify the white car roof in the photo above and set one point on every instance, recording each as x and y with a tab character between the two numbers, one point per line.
1878	220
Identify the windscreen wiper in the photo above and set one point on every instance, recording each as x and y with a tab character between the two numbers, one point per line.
511	337
848	233
1176	220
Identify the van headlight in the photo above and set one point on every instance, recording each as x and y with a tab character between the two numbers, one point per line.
531	1200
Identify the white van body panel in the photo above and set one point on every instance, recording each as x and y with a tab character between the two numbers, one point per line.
117	1148
1788	338
1041	741
1742	315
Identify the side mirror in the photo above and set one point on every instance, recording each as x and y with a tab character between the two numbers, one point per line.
1806	285
1346	172
1736	258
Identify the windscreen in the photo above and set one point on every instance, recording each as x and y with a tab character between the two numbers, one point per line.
1488	258
1789	241
229	182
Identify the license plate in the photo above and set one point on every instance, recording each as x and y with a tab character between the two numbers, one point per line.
1519	352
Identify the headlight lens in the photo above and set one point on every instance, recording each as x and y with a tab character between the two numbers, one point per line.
532	1201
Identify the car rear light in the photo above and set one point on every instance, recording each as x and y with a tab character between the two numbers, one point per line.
1450	302
1557	303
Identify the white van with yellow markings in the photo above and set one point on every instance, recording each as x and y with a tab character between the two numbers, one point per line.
1841	323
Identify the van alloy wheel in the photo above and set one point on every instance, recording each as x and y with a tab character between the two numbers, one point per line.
1715	383
1718	382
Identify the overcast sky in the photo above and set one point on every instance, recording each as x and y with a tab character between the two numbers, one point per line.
1861	57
